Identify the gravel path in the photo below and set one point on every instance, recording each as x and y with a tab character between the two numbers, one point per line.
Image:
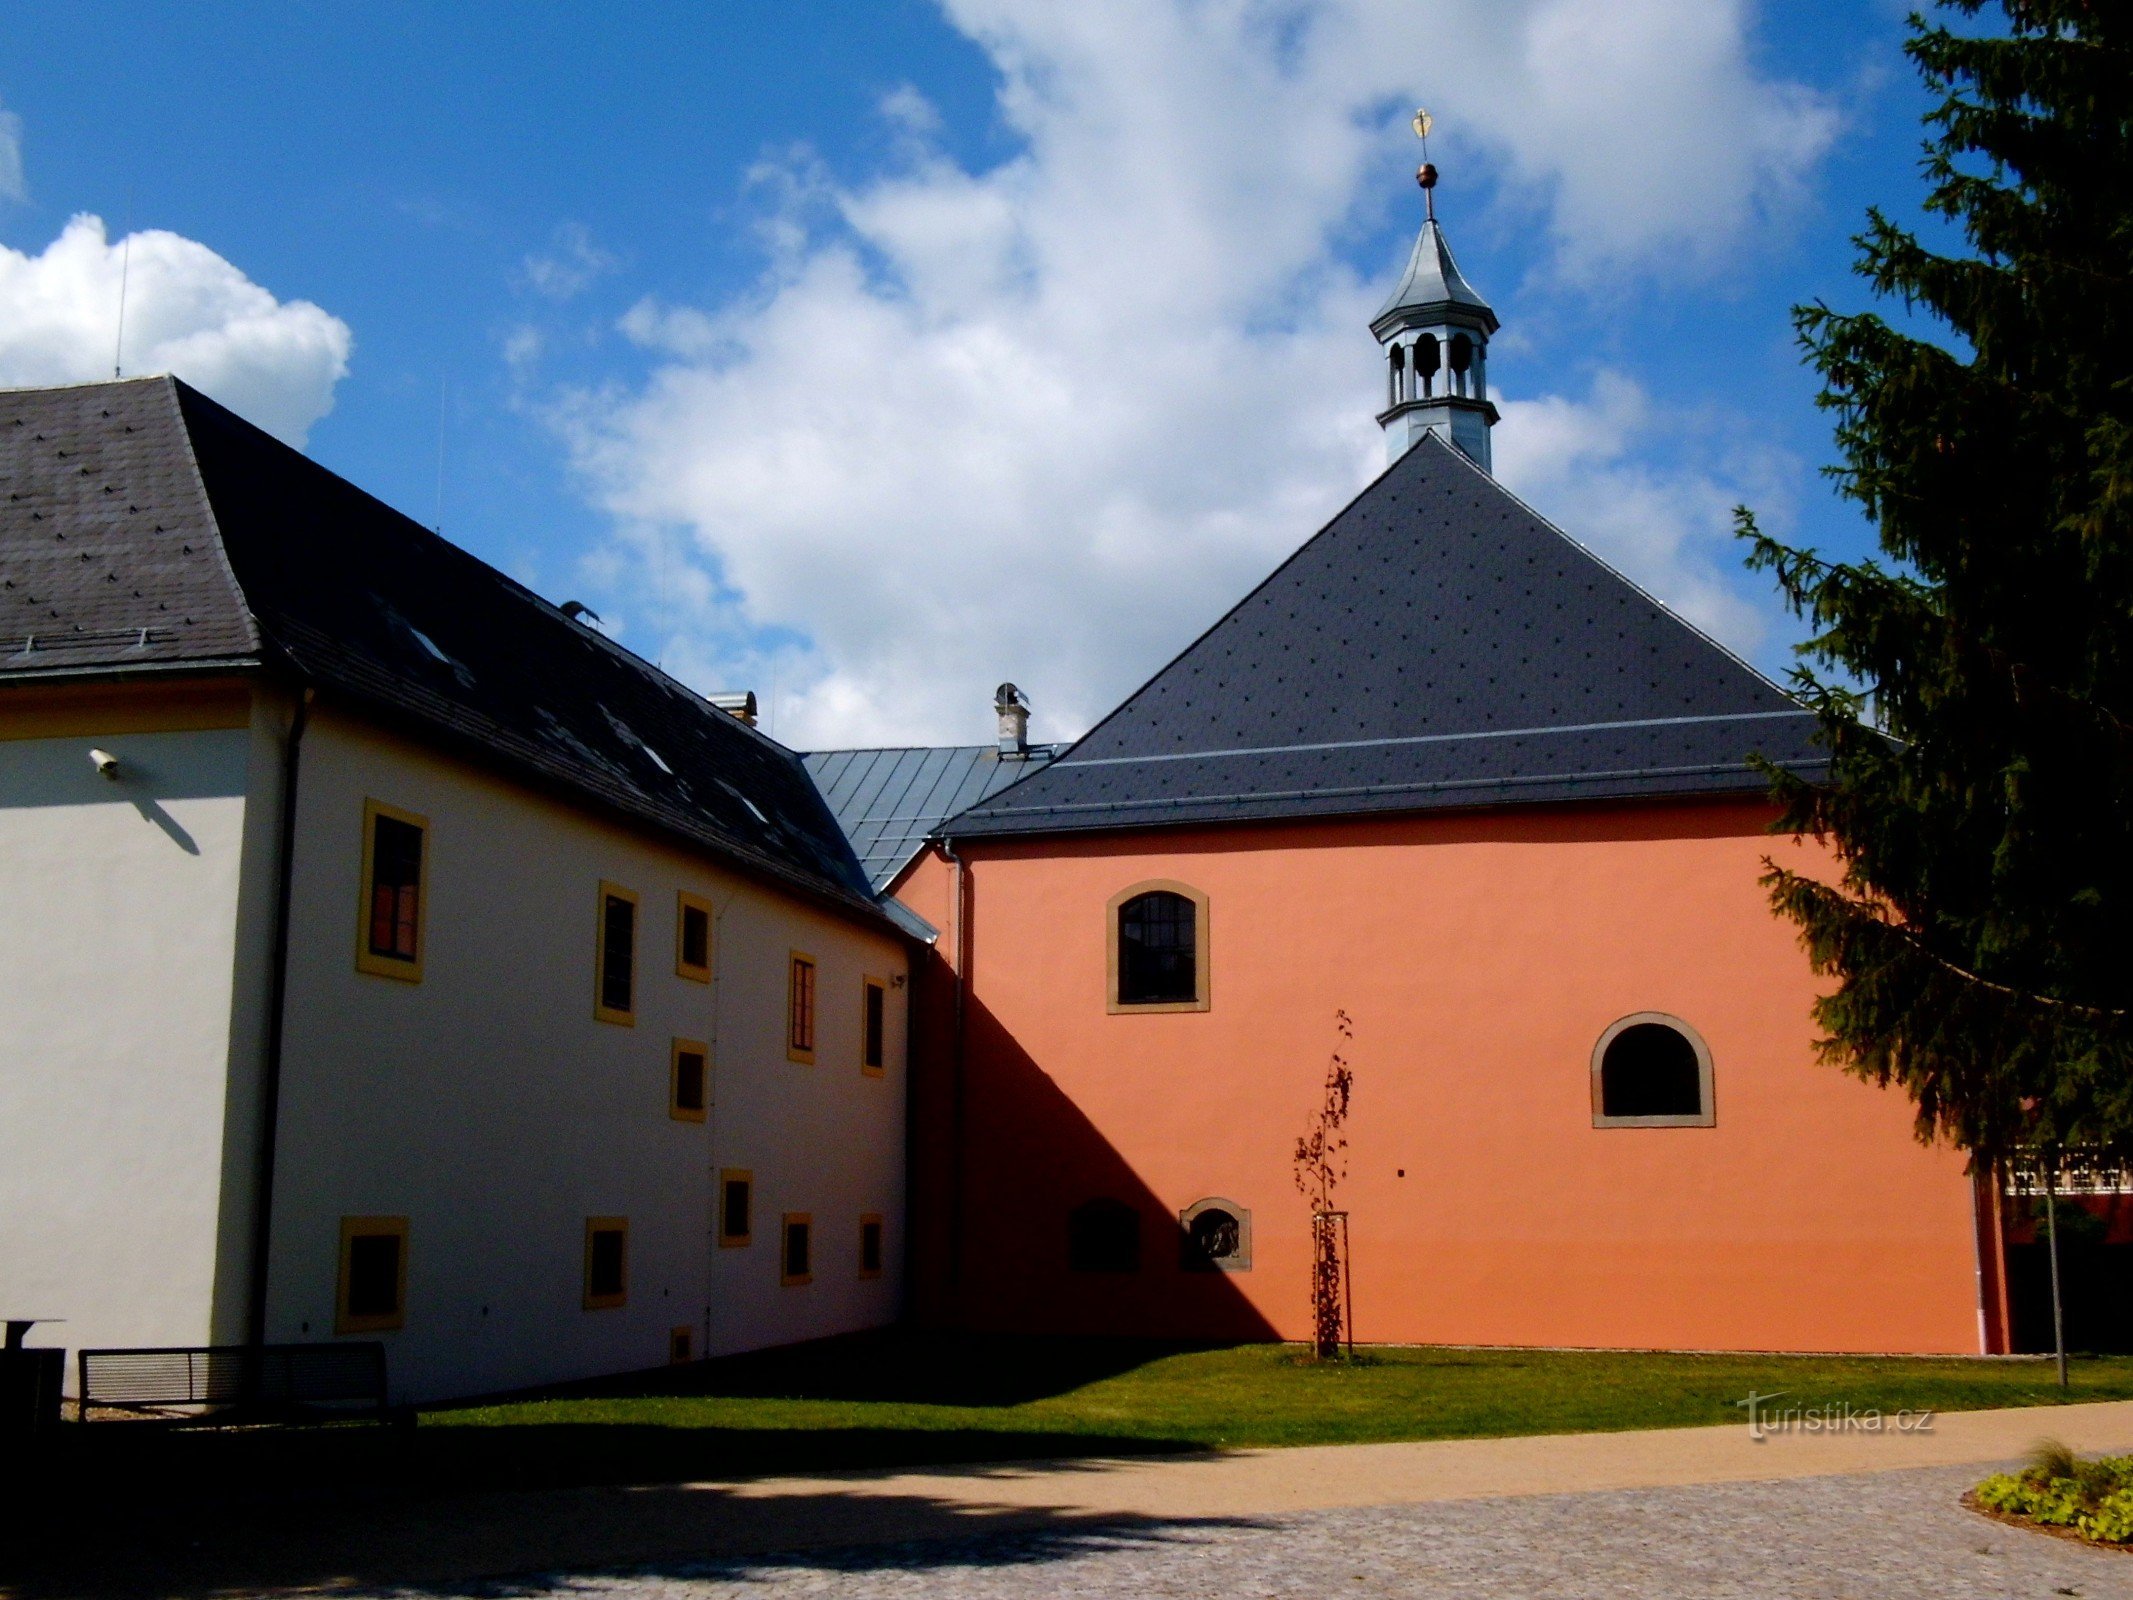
1875	1536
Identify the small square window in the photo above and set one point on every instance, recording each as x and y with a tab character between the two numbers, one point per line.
800	1009
736	1199
796	1249
874	1028
607	1274
681	1346
395	844
870	1246
373	1275
615	957
688	1080
692	937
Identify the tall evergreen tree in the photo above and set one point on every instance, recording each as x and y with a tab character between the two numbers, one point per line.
1976	689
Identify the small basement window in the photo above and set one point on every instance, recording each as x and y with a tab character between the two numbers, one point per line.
1651	1070
615	957
874	1028
607	1278
870	1246
796	1249
736	1199
372	1295
681	1345
800	1009
1104	1235
692	937
395	845
688	1080
1158	948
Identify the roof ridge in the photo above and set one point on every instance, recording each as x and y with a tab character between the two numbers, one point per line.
174	391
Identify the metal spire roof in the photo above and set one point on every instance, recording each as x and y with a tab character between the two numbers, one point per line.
1431	282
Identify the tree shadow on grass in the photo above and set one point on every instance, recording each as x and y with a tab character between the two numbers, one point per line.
448	1510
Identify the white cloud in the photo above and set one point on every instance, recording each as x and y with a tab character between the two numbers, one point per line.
12	185
571	265
1045	421
188	311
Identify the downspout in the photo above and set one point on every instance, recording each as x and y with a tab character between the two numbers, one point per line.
960	891
255	1322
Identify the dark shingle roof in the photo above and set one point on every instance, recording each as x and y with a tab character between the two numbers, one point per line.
264	556
1438	644
888	801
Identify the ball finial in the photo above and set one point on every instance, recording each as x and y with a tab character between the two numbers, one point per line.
1426	175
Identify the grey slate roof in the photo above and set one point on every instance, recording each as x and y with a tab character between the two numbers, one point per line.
888	801
1438	644
1432	280
143	505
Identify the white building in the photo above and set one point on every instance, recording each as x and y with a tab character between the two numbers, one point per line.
390	955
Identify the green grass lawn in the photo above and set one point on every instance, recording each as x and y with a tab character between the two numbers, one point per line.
912	1398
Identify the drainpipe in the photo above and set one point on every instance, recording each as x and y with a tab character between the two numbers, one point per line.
255	1323
961	899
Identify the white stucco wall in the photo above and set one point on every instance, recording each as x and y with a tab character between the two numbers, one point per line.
134	947
488	1106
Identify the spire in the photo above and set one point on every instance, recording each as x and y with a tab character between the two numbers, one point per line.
1435	329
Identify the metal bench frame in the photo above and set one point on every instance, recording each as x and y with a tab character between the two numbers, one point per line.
237	1382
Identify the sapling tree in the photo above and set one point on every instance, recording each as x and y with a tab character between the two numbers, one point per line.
1321	1164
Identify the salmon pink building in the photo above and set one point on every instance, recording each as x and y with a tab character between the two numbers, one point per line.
1448	776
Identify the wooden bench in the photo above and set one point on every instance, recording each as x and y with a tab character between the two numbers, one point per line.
238	1383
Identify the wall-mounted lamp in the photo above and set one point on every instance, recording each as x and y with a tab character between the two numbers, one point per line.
105	762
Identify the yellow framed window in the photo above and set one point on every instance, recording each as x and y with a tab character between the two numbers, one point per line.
688	1080
736	1200
796	1249
607	1262
692	937
389	940
873	1027
681	1345
615	956
870	1245
800	1009
371	1296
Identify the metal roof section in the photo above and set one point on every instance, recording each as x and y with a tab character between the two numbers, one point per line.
1438	644
1431	282
888	801
214	541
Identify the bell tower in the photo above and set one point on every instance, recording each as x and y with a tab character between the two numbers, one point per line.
1435	330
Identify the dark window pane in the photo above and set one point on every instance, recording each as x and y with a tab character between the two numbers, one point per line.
1104	1236
695	936
1650	1070
876	1025
1215	1236
689	1080
870	1247
374	1275
618	920
603	1273
395	887
803	1005
1157	950
796	1249
737	1198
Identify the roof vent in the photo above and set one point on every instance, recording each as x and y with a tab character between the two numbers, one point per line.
739	703
1013	707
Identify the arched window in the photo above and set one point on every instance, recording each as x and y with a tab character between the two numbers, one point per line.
1651	1070
1462	358
1158	940
1103	1236
1397	376
1217	1236
1426	364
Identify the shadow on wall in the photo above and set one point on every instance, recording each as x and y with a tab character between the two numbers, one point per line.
1026	1219
193	1514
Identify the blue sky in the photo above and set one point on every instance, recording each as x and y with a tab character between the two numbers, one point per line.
880	352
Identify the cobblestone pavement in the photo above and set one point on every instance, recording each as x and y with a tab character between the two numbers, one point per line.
1874	1536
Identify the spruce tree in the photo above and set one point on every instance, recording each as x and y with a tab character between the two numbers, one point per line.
1975	687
